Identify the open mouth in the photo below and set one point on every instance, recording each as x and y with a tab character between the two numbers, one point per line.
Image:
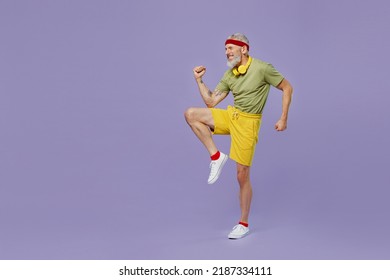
230	57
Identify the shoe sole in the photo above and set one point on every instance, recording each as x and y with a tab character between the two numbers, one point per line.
219	171
238	237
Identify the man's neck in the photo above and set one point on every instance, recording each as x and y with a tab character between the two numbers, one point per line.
244	60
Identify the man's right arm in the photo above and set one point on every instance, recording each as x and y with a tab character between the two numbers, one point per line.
211	99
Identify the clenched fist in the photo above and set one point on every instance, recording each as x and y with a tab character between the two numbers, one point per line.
199	71
281	125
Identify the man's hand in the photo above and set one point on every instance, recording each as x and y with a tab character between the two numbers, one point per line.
199	71
281	125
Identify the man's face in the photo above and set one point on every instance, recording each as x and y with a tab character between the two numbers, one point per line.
233	55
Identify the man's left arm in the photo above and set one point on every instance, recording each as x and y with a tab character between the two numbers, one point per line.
287	89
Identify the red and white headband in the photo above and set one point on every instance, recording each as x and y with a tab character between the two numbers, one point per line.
237	43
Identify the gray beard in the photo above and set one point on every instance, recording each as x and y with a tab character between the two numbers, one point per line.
234	62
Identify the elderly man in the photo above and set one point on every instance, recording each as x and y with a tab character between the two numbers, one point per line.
249	80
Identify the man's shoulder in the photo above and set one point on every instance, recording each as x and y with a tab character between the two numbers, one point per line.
263	66
259	62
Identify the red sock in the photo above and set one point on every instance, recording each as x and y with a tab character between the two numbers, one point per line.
215	156
244	224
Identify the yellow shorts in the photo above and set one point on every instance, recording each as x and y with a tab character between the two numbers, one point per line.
243	129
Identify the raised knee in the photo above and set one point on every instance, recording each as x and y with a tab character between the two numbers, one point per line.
189	114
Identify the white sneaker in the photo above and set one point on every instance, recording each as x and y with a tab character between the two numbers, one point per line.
239	231
216	168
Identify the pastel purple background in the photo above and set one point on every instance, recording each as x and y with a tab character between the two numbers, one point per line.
97	162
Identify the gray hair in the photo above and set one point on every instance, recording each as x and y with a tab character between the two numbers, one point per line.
240	37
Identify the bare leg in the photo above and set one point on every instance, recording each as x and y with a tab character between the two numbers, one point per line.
245	191
201	121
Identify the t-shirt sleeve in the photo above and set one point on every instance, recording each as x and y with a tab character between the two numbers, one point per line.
223	86
272	76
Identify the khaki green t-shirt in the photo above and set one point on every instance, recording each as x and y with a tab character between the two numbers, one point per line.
250	91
